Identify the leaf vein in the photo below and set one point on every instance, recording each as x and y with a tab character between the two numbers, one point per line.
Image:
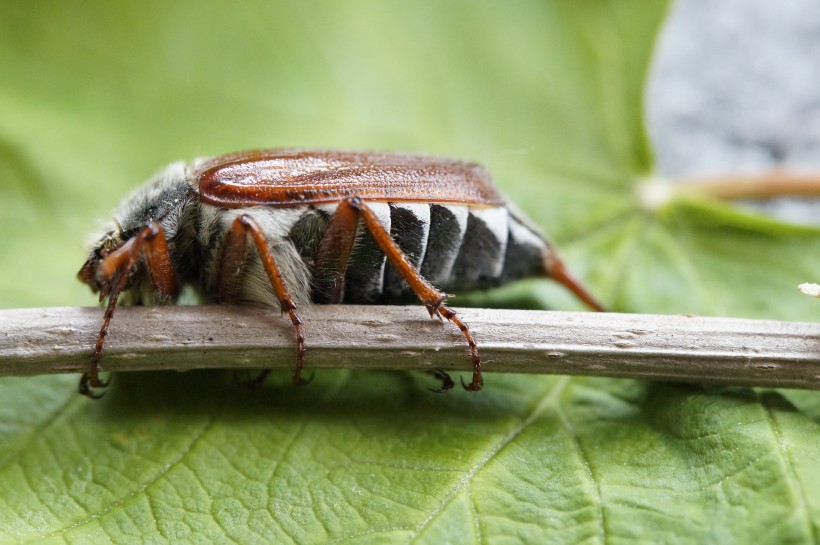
587	469
791	471
139	490
37	431
462	483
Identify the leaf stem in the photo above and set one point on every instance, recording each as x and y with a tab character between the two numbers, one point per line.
655	193
765	185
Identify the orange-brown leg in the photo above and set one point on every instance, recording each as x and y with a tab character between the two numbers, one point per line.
555	269
432	298
232	258
113	273
333	255
331	263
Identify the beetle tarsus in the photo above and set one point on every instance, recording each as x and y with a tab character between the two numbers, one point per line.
447	383
475	385
252	383
298	381
89	381
300	348
478	381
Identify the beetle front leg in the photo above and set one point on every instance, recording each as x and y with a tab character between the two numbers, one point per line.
230	269
112	276
432	298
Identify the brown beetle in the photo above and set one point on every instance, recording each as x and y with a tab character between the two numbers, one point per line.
323	227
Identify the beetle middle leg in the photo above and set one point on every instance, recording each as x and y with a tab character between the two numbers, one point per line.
112	277
334	250
230	269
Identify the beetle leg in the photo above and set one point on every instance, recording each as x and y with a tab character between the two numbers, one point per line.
113	274
230	268
91	378
432	298
555	269
228	285
333	255
446	382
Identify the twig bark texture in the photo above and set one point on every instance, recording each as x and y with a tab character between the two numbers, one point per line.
676	348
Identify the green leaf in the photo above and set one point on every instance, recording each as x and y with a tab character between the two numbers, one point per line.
97	96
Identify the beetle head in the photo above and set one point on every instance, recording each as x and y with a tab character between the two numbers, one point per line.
163	199
102	248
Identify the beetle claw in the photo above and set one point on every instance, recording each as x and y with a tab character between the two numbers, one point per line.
474	386
87	382
446	382
299	381
250	382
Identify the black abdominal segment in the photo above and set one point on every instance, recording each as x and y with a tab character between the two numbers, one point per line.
454	246
410	229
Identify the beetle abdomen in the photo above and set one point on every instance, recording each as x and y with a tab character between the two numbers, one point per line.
454	246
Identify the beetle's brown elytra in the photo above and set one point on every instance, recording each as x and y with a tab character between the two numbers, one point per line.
302	227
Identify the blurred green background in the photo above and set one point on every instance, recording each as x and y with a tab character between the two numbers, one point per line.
96	97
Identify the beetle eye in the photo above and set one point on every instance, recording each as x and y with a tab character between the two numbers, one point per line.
103	251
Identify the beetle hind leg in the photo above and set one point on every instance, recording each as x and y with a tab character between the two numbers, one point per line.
478	381
432	298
